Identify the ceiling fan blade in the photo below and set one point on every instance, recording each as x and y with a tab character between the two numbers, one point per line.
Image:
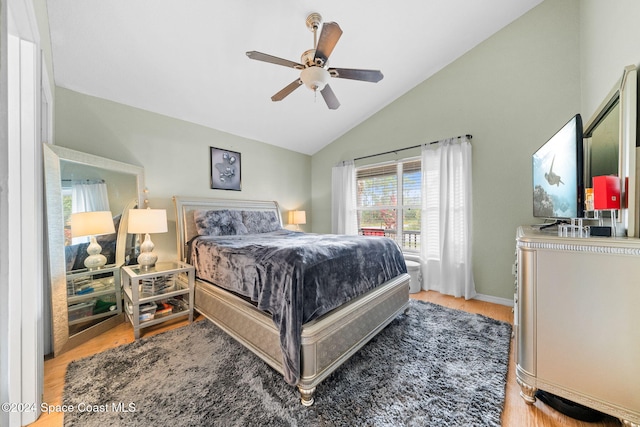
329	36
287	90
259	56
330	98
372	76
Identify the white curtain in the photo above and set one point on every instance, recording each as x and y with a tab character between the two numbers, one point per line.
88	197
446	218
343	198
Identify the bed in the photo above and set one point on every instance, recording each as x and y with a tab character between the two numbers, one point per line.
326	337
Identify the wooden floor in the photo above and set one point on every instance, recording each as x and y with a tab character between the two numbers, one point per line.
516	412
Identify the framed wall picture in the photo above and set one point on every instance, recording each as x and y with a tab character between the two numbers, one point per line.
225	169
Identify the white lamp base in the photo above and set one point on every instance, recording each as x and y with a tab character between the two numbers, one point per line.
147	258
95	260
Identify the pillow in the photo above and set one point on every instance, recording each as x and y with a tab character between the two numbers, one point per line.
219	222
260	221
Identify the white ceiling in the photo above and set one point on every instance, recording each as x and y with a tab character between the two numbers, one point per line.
186	59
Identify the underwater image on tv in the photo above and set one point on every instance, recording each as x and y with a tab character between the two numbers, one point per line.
557	174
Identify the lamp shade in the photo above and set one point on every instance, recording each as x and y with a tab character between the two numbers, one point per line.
91	223
143	221
315	78
299	217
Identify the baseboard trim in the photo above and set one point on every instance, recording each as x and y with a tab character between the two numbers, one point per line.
496	300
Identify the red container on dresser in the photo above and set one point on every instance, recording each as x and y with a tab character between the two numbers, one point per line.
606	192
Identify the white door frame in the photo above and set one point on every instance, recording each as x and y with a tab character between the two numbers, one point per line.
22	358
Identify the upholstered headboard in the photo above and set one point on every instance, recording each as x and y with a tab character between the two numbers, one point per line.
186	206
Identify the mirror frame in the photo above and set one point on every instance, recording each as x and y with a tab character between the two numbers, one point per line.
625	93
52	155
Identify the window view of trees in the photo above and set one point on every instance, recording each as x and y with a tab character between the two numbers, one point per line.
412	196
66	214
377	199
389	199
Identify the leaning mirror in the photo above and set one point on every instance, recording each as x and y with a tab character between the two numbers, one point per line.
87	201
610	142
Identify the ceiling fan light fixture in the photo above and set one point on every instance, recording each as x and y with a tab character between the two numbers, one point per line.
315	78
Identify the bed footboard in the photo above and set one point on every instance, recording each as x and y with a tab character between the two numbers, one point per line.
327	342
330	340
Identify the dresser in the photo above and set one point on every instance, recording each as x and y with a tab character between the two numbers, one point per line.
577	320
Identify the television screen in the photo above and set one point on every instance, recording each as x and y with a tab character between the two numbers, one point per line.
558	174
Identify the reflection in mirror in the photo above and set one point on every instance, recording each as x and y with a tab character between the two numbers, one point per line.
86	188
128	251
85	302
604	144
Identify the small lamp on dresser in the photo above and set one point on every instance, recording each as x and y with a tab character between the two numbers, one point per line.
147	221
92	224
297	217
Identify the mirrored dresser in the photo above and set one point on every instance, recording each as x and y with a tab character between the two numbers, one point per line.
577	327
92	296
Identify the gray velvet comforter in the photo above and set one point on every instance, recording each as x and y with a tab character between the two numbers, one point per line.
296	277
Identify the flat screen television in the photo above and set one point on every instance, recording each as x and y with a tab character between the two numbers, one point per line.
558	174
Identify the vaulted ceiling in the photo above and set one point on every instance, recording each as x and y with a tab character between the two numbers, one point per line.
186	59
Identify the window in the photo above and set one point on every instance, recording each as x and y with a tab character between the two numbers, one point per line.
66	213
389	198
82	196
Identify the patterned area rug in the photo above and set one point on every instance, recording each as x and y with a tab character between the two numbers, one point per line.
432	367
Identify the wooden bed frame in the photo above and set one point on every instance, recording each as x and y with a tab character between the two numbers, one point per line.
326	342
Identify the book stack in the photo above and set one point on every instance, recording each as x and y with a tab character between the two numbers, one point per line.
178	304
163	309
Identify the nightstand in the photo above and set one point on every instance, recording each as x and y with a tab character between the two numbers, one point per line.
159	294
93	295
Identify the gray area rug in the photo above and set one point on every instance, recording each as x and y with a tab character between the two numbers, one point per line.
432	367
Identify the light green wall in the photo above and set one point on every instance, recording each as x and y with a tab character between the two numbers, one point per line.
511	92
609	35
175	156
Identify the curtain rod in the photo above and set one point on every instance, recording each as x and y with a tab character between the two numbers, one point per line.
406	148
84	181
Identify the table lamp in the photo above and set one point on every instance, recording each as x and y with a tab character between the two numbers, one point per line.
92	224
147	221
297	217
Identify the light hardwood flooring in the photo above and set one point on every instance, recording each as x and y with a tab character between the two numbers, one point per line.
516	412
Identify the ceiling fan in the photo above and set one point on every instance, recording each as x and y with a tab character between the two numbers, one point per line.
314	72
